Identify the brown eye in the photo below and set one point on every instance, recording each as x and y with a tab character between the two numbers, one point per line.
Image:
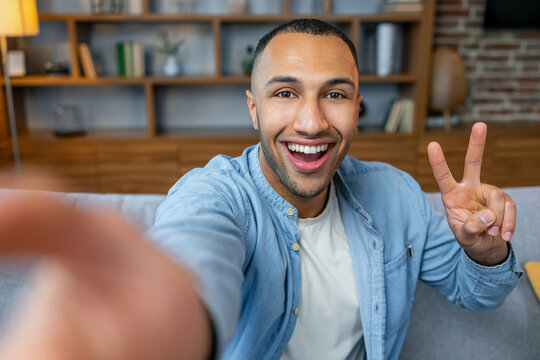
335	95
285	94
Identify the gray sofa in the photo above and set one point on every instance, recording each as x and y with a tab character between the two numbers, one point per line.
438	329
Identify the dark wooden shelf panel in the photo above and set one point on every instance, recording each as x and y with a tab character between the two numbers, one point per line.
92	135
43	80
89	18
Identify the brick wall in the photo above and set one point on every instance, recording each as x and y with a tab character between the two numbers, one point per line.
503	66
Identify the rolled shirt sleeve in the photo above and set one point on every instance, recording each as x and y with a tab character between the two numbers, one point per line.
201	225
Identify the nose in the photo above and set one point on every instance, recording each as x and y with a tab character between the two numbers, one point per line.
311	120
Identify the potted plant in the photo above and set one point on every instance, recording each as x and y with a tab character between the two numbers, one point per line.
170	49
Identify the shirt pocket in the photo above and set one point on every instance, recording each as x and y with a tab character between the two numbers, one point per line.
398	291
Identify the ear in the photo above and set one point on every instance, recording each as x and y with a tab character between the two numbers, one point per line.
358	101
252	108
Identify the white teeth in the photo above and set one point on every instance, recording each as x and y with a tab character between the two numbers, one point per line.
307	149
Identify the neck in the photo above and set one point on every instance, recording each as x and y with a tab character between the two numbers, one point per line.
309	208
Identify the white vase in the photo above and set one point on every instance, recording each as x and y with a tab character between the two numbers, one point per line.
237	6
386	44
171	67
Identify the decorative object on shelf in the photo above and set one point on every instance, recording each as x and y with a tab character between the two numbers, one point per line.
101	7
247	60
130	57
187	6
320	7
388	44
403	6
56	68
135	7
448	83
67	121
16	63
97	7
87	63
237	6
17	18
170	49
117	6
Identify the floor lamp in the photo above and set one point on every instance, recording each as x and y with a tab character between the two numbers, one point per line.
17	18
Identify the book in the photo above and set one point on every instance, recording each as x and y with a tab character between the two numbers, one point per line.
121	59
407	117
394	117
128	58
87	62
138	60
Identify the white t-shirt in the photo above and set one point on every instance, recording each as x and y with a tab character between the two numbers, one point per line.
328	324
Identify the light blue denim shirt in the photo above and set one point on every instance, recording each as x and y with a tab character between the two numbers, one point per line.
233	231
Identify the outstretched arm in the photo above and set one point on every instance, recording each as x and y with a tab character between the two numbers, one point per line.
481	216
101	292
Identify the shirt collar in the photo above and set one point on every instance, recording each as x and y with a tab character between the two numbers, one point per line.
263	186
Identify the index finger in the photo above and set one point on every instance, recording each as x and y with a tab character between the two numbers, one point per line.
441	172
475	151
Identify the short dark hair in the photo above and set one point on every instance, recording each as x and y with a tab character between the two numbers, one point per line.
305	26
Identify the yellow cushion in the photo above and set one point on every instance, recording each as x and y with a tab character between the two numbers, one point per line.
533	273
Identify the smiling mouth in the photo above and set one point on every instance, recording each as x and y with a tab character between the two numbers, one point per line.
307	153
308	157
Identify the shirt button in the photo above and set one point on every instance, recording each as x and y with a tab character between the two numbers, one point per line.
295	247
290	211
296	311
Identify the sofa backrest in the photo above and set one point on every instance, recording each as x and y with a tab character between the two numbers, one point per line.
438	328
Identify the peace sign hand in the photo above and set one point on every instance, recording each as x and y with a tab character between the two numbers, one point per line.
482	216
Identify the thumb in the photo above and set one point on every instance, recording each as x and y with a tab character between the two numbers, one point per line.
476	224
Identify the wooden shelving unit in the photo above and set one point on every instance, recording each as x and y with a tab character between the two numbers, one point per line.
151	159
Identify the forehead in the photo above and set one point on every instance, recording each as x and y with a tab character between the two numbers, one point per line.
298	54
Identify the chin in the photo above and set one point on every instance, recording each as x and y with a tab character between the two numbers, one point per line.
306	188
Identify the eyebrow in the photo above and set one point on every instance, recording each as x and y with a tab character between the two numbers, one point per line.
294	81
339	81
282	79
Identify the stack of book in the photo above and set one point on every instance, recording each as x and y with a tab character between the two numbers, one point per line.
130	57
407	6
401	117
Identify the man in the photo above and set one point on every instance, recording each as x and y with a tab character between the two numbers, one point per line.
292	250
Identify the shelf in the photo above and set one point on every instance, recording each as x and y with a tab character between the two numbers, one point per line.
43	80
203	132
392	17
172	123
91	135
506	127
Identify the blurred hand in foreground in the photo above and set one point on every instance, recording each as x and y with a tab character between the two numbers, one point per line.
101	291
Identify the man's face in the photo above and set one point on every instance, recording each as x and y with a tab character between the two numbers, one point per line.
304	105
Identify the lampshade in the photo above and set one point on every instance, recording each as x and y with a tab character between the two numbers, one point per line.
19	18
